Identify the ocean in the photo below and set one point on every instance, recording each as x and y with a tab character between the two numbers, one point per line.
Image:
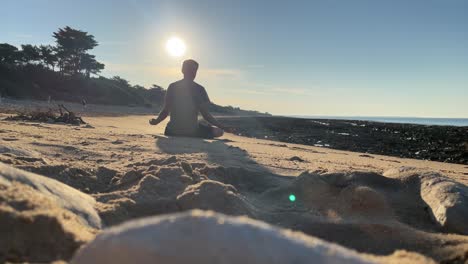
402	120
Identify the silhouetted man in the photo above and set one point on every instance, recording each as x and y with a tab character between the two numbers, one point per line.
184	100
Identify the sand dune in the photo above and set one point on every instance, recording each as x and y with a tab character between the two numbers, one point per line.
373	204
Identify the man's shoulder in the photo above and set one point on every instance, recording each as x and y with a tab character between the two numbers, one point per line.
198	86
174	84
183	84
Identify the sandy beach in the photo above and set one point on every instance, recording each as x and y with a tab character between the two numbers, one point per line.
377	205
234	132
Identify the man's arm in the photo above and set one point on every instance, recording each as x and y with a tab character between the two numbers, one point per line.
164	112
162	115
203	102
208	117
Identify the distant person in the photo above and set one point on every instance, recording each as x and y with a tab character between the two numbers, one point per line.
184	100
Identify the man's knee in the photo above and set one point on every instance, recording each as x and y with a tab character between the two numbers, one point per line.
217	132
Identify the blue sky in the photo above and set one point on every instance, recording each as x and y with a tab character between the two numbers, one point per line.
329	57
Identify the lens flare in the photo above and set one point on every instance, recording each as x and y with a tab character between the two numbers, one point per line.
292	197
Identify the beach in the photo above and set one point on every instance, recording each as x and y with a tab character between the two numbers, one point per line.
385	208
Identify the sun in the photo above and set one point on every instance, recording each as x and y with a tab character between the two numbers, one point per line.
175	47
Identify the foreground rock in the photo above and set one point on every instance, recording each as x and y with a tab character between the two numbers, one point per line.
65	196
42	220
446	198
207	237
448	201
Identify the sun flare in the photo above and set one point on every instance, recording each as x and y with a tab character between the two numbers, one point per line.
175	47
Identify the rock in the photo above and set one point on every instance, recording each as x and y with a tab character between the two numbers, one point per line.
186	167
213	195
296	158
105	174
446	198
131	176
170	160
42	220
448	201
207	237
65	196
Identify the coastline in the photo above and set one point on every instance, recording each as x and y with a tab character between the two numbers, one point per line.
435	143
428	121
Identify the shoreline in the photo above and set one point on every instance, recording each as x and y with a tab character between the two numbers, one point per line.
435	143
392	119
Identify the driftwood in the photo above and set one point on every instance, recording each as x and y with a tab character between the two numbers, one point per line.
50	116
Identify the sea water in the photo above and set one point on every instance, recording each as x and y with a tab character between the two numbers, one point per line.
402	120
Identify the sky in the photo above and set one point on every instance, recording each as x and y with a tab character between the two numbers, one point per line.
405	58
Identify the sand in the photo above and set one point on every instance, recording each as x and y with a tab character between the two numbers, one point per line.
41	219
372	204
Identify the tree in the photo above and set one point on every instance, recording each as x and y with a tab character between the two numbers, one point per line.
72	45
61	59
30	53
8	54
155	94
121	82
89	64
157	88
139	87
48	56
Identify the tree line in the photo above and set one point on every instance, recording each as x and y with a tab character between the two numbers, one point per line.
65	70
69	56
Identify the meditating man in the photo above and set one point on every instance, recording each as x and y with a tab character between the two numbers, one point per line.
184	100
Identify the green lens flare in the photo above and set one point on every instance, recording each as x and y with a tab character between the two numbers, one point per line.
292	197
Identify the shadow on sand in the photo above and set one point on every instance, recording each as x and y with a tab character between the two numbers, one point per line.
216	151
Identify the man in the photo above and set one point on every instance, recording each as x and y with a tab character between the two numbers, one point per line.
184	100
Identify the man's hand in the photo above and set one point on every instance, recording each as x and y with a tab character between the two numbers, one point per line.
229	130
153	121
162	115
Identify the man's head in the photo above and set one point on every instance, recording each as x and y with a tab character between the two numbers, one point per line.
189	69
